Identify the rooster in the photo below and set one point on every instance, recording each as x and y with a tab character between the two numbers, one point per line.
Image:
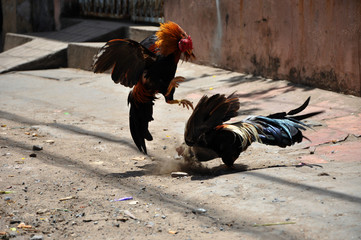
208	137
149	68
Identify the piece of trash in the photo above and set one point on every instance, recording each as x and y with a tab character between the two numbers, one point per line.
312	150
301	164
68	198
172	232
22	225
133	202
66	113
33	155
199	211
129	214
122	219
13	229
122	199
37	148
167	136
50	141
15	221
179	174
273	224
3	125
37	237
210	88
6	192
42	211
139	158
26	133
323	174
80	215
62	210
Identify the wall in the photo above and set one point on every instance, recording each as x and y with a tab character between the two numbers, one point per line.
24	16
317	42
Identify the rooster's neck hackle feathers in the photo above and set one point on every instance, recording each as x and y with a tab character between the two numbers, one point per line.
168	36
246	131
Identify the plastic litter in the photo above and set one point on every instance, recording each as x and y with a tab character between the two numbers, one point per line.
122	199
199	211
179	174
6	192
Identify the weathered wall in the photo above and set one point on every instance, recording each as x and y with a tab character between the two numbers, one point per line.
23	16
317	43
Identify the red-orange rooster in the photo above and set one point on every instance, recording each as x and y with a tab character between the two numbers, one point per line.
149	67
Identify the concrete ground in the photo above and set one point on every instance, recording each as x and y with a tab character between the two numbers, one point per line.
65	191
308	191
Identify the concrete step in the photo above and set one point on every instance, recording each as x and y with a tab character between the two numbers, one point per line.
37	54
67	47
80	55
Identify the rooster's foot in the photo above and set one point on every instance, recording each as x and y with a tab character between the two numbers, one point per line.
174	84
183	102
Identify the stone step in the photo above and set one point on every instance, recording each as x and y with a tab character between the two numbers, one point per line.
69	47
37	54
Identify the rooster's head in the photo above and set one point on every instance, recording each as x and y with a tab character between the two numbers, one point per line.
172	38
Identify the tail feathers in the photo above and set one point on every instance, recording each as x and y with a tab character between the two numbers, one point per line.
140	114
291	112
279	132
282	129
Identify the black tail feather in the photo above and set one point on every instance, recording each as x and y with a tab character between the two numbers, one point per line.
300	108
140	114
308	115
283	129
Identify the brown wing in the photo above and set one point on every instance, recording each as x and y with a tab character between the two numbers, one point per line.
128	58
208	114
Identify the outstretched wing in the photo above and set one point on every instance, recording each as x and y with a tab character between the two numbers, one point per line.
129	59
209	113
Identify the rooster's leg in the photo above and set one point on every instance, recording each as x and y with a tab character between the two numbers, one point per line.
183	102
174	84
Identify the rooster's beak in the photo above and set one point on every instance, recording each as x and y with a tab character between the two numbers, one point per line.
190	53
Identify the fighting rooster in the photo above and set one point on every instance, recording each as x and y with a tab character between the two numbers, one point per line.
208	137
149	67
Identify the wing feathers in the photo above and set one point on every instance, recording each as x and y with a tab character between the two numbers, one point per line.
208	114
128	58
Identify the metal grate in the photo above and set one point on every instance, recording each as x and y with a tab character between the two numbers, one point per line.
136	10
